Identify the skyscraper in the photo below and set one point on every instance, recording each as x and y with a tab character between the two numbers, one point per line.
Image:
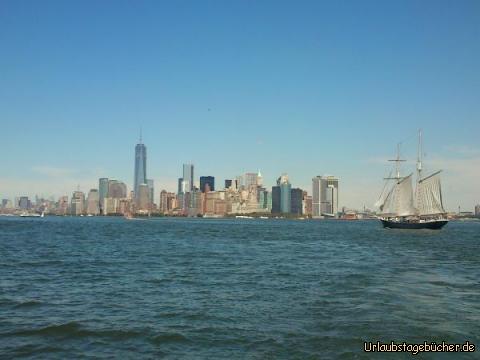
276	199
143	197
77	203
93	202
297	200
102	192
152	189
140	176
180	182
117	189
285	194
324	196
204	180
188	183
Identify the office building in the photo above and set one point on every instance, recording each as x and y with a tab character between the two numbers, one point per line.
187	179
24	203
207	180
151	189
276	200
179	189
285	194
93	204
250	179
324	196
77	203
140	176
143	197
102	191
477	210
297	201
62	205
117	189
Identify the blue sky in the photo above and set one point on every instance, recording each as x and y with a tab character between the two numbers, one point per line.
303	87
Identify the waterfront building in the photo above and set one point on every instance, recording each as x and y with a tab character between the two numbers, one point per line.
24	203
62	205
187	180
93	207
151	189
117	189
7	204
140	176
215	204
102	191
207	180
276	199
307	205
163	202
112	206
285	194
297	200
265	200
195	203
324	196
477	210
143	197
77	204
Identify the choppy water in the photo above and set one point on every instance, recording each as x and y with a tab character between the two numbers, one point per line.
201	288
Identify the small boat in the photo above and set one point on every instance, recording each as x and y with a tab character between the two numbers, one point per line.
402	208
27	214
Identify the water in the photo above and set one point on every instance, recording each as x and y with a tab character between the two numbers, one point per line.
217	288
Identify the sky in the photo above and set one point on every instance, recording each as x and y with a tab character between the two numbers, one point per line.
300	87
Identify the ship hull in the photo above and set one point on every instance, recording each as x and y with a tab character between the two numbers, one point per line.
432	225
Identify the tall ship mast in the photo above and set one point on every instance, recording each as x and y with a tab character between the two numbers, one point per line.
402	207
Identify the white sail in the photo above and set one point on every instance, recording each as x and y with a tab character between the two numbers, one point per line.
404	198
429	196
386	203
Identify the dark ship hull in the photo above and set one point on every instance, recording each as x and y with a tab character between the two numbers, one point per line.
432	225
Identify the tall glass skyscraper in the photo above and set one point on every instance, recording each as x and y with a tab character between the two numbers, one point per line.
188	183
140	176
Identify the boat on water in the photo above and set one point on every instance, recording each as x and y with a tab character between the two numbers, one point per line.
403	207
31	214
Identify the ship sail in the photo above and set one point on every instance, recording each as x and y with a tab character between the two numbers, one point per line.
429	195
404	198
399	200
386	203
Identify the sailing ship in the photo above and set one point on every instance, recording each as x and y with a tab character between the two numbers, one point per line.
402	207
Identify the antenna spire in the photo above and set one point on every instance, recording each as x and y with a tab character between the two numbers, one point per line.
140	134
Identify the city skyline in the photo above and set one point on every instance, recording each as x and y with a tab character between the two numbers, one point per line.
316	90
188	168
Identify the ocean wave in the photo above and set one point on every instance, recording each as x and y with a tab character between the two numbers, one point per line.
27	304
74	329
169	337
